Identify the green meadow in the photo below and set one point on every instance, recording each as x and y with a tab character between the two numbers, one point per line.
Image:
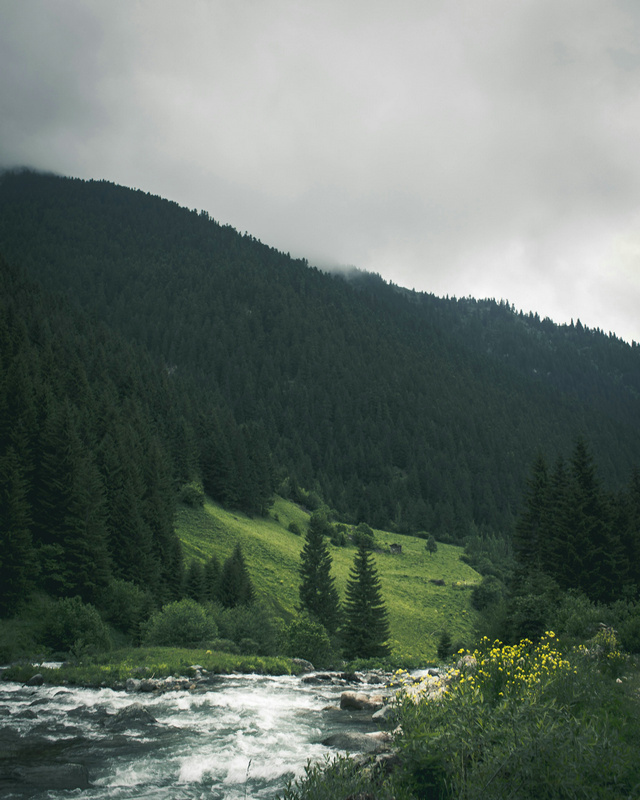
419	610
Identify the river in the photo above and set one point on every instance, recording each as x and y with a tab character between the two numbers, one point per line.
238	737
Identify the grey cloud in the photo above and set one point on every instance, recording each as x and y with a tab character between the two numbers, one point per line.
468	148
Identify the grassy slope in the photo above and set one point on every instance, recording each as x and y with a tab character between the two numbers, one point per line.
418	610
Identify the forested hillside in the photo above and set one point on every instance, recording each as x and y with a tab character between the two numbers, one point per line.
91	447
397	408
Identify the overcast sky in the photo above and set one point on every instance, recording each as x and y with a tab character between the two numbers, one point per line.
464	147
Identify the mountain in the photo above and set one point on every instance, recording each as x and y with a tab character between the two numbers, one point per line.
397	408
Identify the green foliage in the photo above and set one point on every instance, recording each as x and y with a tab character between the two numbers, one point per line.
235	583
250	627
445	645
363	535
337	778
318	593
150	662
630	632
191	494
88	436
126	606
183	623
489	592
260	338
365	633
431	546
71	626
520	721
416	606
307	638
570	530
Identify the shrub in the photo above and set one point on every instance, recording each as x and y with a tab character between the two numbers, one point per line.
363	534
192	494
306	638
183	623
487	593
295	528
126	606
630	633
247	623
519	721
71	626
340	777
445	646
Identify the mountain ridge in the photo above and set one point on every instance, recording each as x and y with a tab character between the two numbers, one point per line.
399	408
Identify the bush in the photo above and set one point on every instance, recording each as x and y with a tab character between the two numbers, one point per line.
295	528
487	593
364	534
306	638
183	623
445	645
520	721
340	777
629	633
192	494
71	626
244	624
126	606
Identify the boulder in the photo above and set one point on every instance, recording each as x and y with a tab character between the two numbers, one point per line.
133	716
35	680
358	701
58	776
318	677
305	666
354	742
384	713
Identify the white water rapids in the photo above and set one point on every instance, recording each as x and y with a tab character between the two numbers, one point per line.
241	738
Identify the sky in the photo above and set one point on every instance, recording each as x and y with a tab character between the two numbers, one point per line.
463	148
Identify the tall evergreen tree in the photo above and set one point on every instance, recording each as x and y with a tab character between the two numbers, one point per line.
531	533
318	594
366	628
236	588
16	551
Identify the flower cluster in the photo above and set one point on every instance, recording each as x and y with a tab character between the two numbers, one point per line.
494	672
605	650
512	671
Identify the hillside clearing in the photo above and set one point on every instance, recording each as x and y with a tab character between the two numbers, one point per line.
419	610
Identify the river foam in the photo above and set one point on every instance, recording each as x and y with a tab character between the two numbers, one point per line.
241	738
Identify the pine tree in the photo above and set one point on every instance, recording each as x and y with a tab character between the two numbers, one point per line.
195	582
318	594
531	533
17	563
236	588
366	629
212	573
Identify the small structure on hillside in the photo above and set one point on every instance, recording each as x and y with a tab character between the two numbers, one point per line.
395	549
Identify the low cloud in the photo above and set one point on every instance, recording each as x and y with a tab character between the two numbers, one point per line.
484	149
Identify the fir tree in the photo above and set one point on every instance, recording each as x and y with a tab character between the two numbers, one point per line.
531	533
318	594
366	628
236	588
16	551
